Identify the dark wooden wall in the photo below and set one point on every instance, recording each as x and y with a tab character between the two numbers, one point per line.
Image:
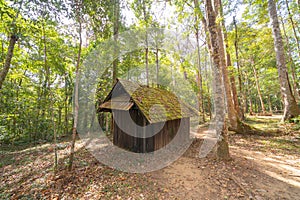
141	145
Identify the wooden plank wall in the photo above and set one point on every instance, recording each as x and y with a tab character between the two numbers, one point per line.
137	143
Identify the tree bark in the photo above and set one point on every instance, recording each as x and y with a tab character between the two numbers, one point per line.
76	107
157	65
116	36
293	70
219	95
293	26
258	88
291	109
12	41
199	73
232	114
242	92
240	115
270	104
66	127
10	52
146	40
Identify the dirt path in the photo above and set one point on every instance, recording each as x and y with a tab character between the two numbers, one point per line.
251	174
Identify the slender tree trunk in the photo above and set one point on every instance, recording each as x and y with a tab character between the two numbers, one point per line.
291	109
10	52
46	84
229	65
199	71
12	41
246	92
2	51
200	93
219	95
258	88
157	66
116	36
54	134
146	60
66	127
207	85
251	107
270	104
241	91
294	77
146	40
76	107
293	26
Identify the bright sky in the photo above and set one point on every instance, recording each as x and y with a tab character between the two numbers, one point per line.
164	12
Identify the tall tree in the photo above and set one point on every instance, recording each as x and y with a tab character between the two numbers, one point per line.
116	25
241	91
143	8
198	18
258	86
292	64
291	109
13	38
78	17
290	17
219	95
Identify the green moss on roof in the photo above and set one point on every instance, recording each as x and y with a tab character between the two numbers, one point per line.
147	97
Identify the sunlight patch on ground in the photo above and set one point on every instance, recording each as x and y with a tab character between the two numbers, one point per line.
281	178
278	167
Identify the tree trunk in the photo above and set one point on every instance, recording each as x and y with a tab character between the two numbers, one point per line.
207	86
157	67
146	40
293	70
146	60
12	41
229	65
54	135
10	52
219	95
291	109
199	78
116	36
66	127
251	107
199	73
258	88
270	104
232	114
293	26
76	107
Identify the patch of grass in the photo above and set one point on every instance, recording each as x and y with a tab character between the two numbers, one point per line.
263	123
6	160
281	144
296	127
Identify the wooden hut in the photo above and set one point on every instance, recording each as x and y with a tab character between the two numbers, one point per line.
131	102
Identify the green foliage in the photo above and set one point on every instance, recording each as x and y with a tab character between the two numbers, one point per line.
37	92
296	121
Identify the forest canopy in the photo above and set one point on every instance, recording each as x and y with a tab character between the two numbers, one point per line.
44	44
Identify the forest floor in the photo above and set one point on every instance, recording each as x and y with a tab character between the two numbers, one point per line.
265	166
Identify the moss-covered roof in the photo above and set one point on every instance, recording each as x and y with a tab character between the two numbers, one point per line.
156	104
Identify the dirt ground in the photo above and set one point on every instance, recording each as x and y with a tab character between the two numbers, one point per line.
262	167
250	175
